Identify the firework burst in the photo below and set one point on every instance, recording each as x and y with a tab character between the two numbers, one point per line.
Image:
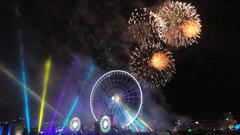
142	25
152	64
183	23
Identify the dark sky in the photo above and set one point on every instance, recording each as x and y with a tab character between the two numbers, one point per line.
207	79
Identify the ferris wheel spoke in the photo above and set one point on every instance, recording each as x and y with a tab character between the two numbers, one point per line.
128	117
129	93
132	103
107	92
131	96
102	103
121	114
128	89
128	85
105	110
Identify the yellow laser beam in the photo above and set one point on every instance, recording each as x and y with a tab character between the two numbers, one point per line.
145	124
45	84
30	91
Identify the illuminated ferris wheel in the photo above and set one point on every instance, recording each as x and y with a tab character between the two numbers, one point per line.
117	94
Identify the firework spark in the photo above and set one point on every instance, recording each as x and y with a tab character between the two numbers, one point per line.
152	64
142	25
183	23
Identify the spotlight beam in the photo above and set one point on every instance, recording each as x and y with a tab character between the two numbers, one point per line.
88	77
25	94
29	90
23	70
61	96
145	124
45	84
70	112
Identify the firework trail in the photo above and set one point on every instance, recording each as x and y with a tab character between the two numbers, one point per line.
152	64
183	25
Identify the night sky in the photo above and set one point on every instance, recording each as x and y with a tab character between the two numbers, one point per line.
207	79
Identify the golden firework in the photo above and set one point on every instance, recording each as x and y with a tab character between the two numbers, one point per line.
191	28
152	64
142	25
159	60
183	25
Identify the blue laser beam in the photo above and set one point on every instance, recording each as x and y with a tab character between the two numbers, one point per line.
88	77
1	129
25	94
23	71
9	130
70	112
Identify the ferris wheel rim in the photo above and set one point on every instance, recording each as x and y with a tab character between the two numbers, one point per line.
139	89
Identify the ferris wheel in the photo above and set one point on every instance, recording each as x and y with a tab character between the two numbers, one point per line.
117	94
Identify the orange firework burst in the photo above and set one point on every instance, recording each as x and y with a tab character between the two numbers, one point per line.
159	61
183	23
191	28
152	64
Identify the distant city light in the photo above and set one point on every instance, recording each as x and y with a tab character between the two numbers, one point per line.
1	129
189	130
19	132
237	126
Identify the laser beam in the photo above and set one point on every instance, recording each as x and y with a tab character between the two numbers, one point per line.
25	94
145	124
30	91
70	112
9	129
45	84
62	93
23	71
1	129
88	77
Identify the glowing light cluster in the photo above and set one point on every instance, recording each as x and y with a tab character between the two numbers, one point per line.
45	84
152	64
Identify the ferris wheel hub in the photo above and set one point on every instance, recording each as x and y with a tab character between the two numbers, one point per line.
116	98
